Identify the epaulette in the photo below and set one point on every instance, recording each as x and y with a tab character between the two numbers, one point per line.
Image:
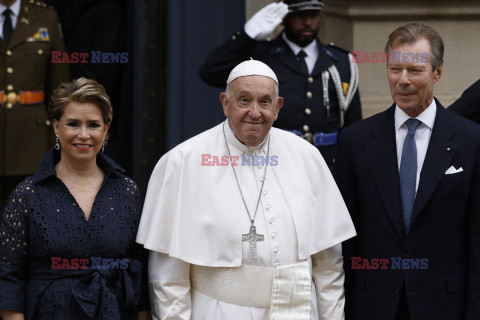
331	44
40	4
330	53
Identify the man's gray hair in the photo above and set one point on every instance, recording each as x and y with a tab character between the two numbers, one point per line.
411	33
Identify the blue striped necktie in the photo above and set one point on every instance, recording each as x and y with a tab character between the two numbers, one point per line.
408	172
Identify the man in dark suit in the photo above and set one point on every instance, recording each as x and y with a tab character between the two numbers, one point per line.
29	32
468	105
318	81
411	179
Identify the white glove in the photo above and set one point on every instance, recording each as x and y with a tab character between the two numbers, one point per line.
266	20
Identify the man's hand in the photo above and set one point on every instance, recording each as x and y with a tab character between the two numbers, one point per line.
266	20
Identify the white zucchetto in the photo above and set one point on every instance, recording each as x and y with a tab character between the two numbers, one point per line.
251	68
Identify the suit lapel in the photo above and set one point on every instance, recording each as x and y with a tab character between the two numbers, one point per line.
382	159
438	159
24	27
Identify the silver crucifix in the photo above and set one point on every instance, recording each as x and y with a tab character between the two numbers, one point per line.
253	237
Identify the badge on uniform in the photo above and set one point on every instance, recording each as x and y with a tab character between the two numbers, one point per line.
345	88
41	35
277	50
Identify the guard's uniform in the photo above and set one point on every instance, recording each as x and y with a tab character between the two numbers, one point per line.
27	78
305	110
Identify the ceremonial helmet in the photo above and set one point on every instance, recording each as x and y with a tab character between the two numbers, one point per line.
299	5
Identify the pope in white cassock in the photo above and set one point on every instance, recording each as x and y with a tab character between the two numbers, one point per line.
244	221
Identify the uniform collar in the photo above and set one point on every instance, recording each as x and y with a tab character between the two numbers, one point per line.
310	49
46	169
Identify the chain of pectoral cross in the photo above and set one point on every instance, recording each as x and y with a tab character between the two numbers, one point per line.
252	236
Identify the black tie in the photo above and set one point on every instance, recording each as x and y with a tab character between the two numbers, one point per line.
301	58
7	26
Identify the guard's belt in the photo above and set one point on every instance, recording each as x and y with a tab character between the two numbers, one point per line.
24	97
319	139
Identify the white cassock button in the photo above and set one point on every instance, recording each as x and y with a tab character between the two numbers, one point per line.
274	235
310	79
267	207
261	179
9	53
271	221
9	87
275	250
9	70
306	128
308	111
309	95
265	192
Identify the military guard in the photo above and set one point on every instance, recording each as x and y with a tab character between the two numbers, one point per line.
319	82
29	32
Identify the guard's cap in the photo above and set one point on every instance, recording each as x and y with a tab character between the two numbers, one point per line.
251	68
299	5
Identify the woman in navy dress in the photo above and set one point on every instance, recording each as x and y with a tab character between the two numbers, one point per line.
68	231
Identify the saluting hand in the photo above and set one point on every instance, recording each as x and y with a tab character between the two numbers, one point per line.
266	20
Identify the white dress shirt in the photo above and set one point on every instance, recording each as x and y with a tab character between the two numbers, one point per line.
15	7
311	50
422	134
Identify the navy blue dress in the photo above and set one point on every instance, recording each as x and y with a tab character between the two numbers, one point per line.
55	264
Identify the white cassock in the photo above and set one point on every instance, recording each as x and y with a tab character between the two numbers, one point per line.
194	216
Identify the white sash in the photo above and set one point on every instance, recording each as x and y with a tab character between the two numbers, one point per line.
285	290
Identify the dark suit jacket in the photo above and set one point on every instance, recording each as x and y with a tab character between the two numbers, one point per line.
468	105
293	82
445	226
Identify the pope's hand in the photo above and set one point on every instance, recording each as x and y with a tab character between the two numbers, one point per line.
266	20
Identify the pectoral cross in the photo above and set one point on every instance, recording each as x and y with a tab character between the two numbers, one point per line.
253	237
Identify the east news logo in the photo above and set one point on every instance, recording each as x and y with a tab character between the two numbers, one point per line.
394	263
84	57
